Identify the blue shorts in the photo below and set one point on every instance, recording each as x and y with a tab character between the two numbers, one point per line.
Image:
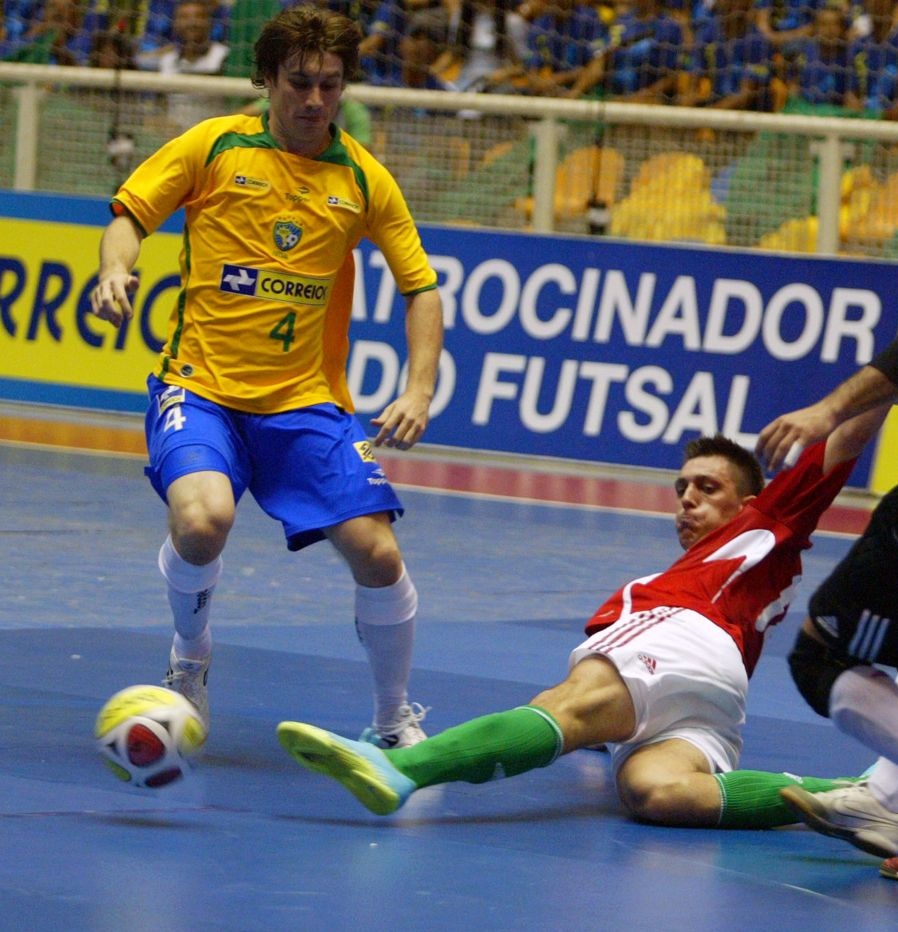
309	469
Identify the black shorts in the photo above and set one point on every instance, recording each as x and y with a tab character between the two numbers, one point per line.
855	610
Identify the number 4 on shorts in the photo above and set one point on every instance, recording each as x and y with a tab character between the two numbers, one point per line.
174	418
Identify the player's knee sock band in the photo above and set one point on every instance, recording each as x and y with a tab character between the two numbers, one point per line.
751	798
184	576
388	605
487	748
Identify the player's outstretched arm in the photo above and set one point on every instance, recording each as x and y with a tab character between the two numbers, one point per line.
403	422
782	440
851	436
119	249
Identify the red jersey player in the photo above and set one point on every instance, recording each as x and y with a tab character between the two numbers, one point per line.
662	678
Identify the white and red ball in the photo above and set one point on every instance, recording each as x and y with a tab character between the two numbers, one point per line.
148	735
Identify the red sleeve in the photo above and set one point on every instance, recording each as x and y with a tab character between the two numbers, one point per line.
799	496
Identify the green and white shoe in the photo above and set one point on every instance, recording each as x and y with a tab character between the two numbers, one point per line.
359	766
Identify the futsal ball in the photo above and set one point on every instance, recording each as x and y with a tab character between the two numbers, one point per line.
147	735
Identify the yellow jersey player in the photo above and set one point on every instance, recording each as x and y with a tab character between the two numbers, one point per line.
250	389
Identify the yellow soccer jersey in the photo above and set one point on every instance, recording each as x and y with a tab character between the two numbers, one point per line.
261	323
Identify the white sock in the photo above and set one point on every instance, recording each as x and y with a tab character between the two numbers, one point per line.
198	648
385	622
190	589
864	704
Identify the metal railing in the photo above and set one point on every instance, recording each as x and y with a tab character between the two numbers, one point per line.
445	147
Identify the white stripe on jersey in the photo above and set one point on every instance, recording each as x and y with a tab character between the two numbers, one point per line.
868	638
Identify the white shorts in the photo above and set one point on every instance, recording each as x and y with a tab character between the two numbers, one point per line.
686	678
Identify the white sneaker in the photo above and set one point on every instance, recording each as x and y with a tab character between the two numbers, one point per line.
850	812
189	678
402	732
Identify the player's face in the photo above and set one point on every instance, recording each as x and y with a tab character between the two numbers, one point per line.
708	496
304	99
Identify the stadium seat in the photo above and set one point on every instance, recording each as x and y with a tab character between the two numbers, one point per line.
869	214
584	173
670	199
796	235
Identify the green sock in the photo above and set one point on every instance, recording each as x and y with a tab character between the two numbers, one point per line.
500	745
751	798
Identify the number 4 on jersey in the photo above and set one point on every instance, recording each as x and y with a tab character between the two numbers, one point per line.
283	330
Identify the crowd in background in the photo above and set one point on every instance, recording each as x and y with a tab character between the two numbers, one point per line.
836	56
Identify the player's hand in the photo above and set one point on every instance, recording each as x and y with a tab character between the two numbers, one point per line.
780	443
111	298
402	423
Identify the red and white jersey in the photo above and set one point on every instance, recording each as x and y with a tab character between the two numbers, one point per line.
743	575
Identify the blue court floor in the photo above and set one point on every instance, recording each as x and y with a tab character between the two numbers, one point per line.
252	842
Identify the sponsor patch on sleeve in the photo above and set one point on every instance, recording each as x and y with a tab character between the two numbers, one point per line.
365	452
253	184
334	201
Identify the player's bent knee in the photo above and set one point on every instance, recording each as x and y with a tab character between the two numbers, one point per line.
814	669
198	534
197	523
377	567
650	801
201	507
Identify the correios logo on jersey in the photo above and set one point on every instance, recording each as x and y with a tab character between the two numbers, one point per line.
334	201
275	286
247	181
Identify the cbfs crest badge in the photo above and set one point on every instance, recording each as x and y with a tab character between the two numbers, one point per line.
287	234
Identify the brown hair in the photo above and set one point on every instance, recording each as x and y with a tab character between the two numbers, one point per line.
751	476
307	30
